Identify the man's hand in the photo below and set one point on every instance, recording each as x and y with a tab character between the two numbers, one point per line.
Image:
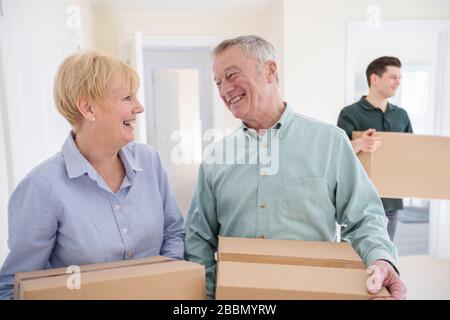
368	142
384	275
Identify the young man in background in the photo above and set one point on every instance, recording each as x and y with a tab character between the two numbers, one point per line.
374	113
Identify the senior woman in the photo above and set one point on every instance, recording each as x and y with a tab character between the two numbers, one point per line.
102	197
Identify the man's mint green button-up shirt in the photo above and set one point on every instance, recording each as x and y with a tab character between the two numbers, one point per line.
296	181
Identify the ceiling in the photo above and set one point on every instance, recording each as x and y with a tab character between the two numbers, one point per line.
230	6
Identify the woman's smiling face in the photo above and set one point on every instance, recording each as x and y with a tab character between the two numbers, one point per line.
116	116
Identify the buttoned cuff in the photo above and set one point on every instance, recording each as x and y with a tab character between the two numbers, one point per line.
381	255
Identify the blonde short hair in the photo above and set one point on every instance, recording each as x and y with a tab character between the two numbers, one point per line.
90	75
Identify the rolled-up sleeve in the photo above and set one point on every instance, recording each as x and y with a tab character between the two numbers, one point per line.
174	232
33	224
202	229
409	128
359	208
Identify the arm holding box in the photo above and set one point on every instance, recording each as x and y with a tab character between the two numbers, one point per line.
368	142
359	208
202	229
32	232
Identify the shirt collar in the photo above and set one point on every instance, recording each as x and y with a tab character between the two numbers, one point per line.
281	124
369	107
130	162
77	165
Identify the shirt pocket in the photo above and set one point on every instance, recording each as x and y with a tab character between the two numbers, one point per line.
304	198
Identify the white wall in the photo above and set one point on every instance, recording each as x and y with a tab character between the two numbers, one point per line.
417	47
273	31
315	47
109	24
4	185
86	19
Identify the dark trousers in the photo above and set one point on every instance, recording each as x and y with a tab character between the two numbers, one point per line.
392	223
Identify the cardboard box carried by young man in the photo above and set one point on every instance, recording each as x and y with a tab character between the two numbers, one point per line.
409	165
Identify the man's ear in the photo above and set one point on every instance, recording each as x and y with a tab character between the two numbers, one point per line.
373	79
271	71
86	109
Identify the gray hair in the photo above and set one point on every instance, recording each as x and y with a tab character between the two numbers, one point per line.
253	46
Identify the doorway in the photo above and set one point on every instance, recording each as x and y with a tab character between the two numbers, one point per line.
179	108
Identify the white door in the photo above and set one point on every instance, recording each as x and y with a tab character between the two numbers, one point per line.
166	114
178	96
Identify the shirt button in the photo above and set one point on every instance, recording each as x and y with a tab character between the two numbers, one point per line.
280	135
263	173
263	205
124	231
117	206
129	254
264	145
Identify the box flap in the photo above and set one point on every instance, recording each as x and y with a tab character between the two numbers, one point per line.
290	252
92	267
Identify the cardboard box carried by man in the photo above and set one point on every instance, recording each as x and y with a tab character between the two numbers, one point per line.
290	269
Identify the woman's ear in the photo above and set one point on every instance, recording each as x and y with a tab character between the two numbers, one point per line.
271	71
86	108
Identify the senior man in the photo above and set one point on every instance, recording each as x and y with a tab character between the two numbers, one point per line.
306	176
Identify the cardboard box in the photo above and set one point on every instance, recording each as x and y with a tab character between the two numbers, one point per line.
409	165
289	269
149	278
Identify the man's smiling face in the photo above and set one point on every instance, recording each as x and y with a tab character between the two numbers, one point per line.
241	82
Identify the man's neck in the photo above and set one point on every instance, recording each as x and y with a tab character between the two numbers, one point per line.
266	119
377	100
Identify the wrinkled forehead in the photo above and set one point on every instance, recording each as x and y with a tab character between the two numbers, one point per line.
230	58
